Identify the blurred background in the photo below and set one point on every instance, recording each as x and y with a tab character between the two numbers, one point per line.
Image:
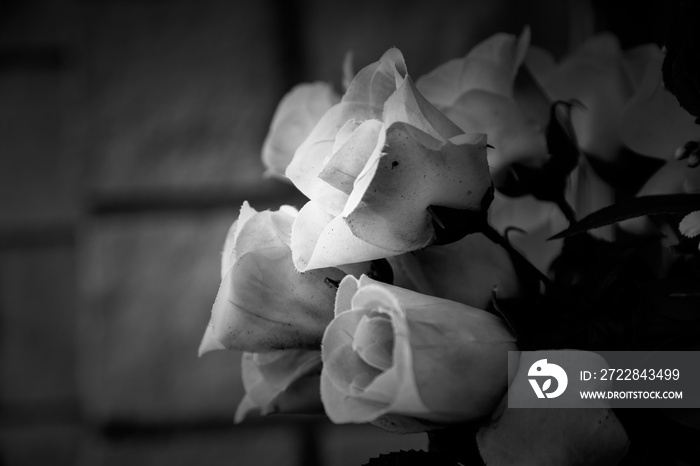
130	133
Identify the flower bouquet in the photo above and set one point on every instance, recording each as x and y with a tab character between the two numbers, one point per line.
503	202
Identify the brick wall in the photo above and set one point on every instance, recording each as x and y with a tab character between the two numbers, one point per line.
130	134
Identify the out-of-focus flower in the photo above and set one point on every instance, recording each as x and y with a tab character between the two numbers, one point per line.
373	165
675	177
552	436
295	117
280	381
529	223
465	271
476	92
394	351
653	123
681	68
601	77
263	303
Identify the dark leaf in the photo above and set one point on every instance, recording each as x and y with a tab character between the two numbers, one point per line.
645	205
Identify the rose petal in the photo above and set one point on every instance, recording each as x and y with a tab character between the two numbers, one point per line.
387	208
348	161
343	135
467	271
259	231
489	66
296	115
538	219
638	60
321	240
348	69
374	341
341	361
513	136
346	290
407	105
595	76
653	123
229	256
540	62
309	159
468	331
266	376
253	309
376	82
209	342
341	408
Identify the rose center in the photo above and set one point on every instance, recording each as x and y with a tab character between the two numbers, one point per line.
374	340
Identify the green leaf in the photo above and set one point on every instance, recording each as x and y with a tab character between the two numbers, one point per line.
645	205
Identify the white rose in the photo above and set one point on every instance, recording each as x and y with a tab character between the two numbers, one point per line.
372	166
395	351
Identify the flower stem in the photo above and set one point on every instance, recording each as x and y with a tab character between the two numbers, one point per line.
515	255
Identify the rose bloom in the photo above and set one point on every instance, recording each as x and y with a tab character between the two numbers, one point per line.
280	381
603	78
263	303
395	351
476	92
373	165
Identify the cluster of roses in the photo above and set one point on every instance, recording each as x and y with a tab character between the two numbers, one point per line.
387	168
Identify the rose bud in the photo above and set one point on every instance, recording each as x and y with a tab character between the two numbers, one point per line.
476	92
280	381
295	117
391	351
263	303
373	166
